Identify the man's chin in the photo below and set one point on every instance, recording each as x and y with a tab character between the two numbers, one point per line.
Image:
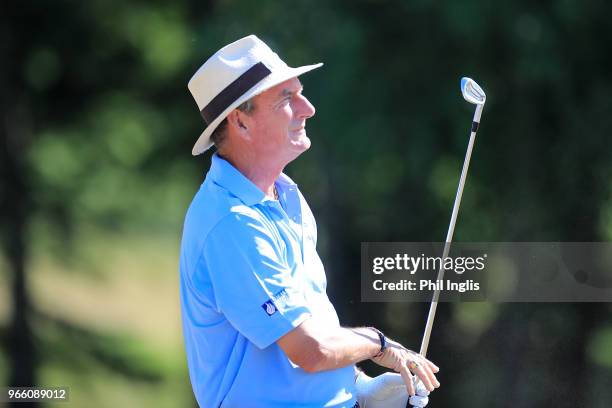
302	144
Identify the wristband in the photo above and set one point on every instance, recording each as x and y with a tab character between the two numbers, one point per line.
383	341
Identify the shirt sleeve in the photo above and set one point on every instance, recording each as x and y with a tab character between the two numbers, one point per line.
254	287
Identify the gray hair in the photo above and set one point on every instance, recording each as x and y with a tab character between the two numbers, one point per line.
219	134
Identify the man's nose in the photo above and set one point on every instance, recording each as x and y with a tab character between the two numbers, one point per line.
305	108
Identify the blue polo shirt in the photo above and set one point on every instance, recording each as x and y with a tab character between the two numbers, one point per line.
249	274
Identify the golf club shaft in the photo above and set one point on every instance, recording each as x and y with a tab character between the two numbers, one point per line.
451	229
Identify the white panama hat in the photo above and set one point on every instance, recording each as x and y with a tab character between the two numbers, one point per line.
233	75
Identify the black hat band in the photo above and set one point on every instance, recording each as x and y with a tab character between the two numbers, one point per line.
234	91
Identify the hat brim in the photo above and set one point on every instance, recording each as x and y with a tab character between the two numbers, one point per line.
204	143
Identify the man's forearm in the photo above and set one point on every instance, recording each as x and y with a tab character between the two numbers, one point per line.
339	347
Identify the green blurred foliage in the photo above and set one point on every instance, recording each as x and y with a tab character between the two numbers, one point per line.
95	96
599	347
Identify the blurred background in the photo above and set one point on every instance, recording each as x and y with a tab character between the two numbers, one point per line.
96	132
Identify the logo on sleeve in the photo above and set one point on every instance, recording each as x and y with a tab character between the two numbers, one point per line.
269	308
278	300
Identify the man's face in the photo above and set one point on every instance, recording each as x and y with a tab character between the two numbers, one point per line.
278	124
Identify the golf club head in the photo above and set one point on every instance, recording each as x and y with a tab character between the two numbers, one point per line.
472	92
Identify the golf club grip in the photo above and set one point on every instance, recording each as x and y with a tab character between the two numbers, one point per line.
415	381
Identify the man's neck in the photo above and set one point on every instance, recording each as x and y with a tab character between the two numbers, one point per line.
260	172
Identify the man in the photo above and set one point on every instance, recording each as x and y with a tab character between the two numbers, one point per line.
259	329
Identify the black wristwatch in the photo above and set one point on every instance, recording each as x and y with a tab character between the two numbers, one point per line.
383	341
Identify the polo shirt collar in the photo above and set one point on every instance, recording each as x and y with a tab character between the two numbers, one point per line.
226	175
284	179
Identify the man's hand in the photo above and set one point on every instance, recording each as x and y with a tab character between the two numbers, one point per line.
387	391
406	362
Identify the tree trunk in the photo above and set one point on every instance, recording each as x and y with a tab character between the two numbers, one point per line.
15	211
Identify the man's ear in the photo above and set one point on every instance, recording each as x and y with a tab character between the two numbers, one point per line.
237	120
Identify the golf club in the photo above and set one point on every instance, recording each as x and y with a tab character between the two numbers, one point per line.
474	95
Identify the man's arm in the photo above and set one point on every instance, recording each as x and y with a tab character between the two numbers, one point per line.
316	348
